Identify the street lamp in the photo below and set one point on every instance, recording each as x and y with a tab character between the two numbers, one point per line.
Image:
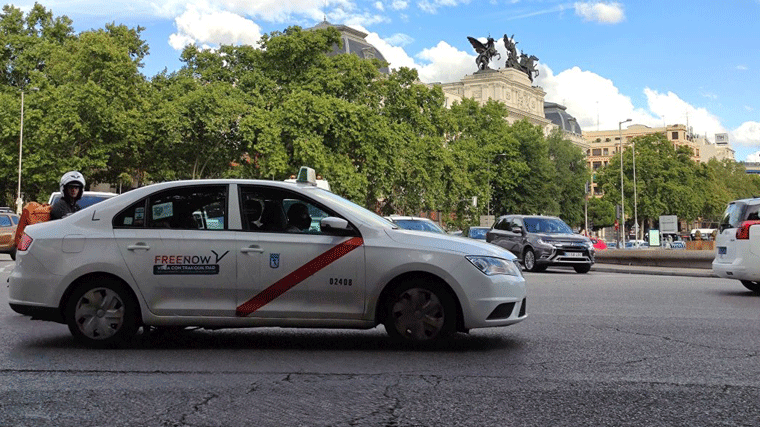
20	202
635	197
622	197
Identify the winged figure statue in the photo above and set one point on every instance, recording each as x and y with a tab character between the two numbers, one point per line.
485	52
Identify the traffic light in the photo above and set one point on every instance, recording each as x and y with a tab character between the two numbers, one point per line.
617	211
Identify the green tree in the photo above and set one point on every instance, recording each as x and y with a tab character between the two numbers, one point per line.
570	177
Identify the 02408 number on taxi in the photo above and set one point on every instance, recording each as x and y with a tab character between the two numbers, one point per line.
337	281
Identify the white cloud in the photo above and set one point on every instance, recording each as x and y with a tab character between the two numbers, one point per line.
399	4
747	134
432	6
379	6
209	27
593	100
445	64
605	13
399	39
742	67
674	110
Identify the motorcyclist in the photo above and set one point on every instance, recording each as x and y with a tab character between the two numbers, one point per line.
72	186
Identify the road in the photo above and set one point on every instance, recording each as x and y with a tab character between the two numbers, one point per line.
599	349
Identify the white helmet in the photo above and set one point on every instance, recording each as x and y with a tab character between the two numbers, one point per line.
72	177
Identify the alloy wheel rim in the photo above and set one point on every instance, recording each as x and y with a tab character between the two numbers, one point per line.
529	260
99	313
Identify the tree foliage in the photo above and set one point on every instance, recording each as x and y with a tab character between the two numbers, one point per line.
386	141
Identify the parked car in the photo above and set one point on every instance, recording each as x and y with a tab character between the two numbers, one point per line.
636	244
8	222
416	223
475	232
89	198
599	244
542	241
143	259
737	254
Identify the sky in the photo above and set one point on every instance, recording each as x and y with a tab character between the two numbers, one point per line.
692	62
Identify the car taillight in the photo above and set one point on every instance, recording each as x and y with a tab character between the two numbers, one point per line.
24	242
742	233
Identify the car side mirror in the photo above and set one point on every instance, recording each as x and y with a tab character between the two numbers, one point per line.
518	229
335	225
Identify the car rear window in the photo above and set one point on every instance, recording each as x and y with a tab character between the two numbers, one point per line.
736	213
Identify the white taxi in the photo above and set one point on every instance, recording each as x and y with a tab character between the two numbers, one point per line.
244	253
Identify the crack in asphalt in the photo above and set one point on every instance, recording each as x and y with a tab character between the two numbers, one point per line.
678	341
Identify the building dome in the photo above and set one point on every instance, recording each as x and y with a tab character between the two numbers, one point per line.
354	43
558	115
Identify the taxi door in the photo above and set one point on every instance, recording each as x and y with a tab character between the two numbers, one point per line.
178	250
284	272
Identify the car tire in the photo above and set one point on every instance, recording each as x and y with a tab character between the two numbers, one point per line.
529	261
752	286
102	313
585	268
418	311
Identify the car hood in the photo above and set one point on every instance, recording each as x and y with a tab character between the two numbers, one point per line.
425	240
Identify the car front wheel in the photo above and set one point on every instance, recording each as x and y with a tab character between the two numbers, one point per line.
529	260
585	268
102	313
419	311
752	286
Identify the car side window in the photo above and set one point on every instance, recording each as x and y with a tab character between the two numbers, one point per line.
184	208
15	219
5	221
274	210
503	224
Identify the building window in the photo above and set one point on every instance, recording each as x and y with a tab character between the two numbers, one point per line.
597	165
606	140
675	135
596	152
606	151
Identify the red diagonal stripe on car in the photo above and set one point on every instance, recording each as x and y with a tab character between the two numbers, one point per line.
283	285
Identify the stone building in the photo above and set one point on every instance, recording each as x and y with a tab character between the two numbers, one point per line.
602	145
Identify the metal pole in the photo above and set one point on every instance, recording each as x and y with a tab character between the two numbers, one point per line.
635	197
20	150
622	193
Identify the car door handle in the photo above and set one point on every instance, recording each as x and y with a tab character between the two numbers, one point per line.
140	245
252	248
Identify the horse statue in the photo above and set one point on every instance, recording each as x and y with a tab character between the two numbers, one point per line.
485	52
527	65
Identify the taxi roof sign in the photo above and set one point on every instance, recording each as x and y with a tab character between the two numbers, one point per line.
307	175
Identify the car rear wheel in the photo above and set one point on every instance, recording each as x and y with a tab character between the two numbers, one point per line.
584	268
529	261
752	286
419	311
102	313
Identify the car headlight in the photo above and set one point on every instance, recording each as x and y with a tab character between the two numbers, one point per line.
491	266
544	241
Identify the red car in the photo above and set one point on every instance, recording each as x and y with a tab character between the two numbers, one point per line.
599	244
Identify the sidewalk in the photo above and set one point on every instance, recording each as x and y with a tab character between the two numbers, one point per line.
660	271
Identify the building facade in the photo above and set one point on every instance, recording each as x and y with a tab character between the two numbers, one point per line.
602	145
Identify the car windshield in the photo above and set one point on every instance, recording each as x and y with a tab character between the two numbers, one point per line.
419	224
367	216
478	233
547	225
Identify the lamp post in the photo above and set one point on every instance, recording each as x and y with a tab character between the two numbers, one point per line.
19	201
622	197
635	197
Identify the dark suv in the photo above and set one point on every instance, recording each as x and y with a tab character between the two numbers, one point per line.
542	241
